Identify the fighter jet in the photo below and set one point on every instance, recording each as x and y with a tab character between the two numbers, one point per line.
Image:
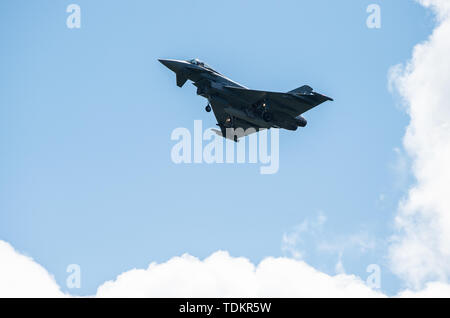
236	106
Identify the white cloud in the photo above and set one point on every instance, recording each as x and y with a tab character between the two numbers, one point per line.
431	290
292	242
21	276
420	251
221	275
339	267
362	241
441	7
308	235
401	166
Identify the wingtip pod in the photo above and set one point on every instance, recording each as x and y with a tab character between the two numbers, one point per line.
323	97
329	98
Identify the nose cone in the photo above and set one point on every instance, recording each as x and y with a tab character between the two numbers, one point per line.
173	65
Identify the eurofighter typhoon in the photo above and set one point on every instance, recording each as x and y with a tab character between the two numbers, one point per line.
241	111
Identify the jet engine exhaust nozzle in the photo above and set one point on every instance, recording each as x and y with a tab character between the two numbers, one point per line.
301	121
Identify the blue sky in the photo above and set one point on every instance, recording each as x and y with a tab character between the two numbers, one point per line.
86	116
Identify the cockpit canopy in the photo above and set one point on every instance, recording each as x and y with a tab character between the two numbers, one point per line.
200	63
197	62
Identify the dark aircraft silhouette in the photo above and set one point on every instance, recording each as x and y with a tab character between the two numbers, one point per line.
235	106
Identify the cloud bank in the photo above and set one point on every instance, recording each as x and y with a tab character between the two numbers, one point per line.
421	248
21	276
221	275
